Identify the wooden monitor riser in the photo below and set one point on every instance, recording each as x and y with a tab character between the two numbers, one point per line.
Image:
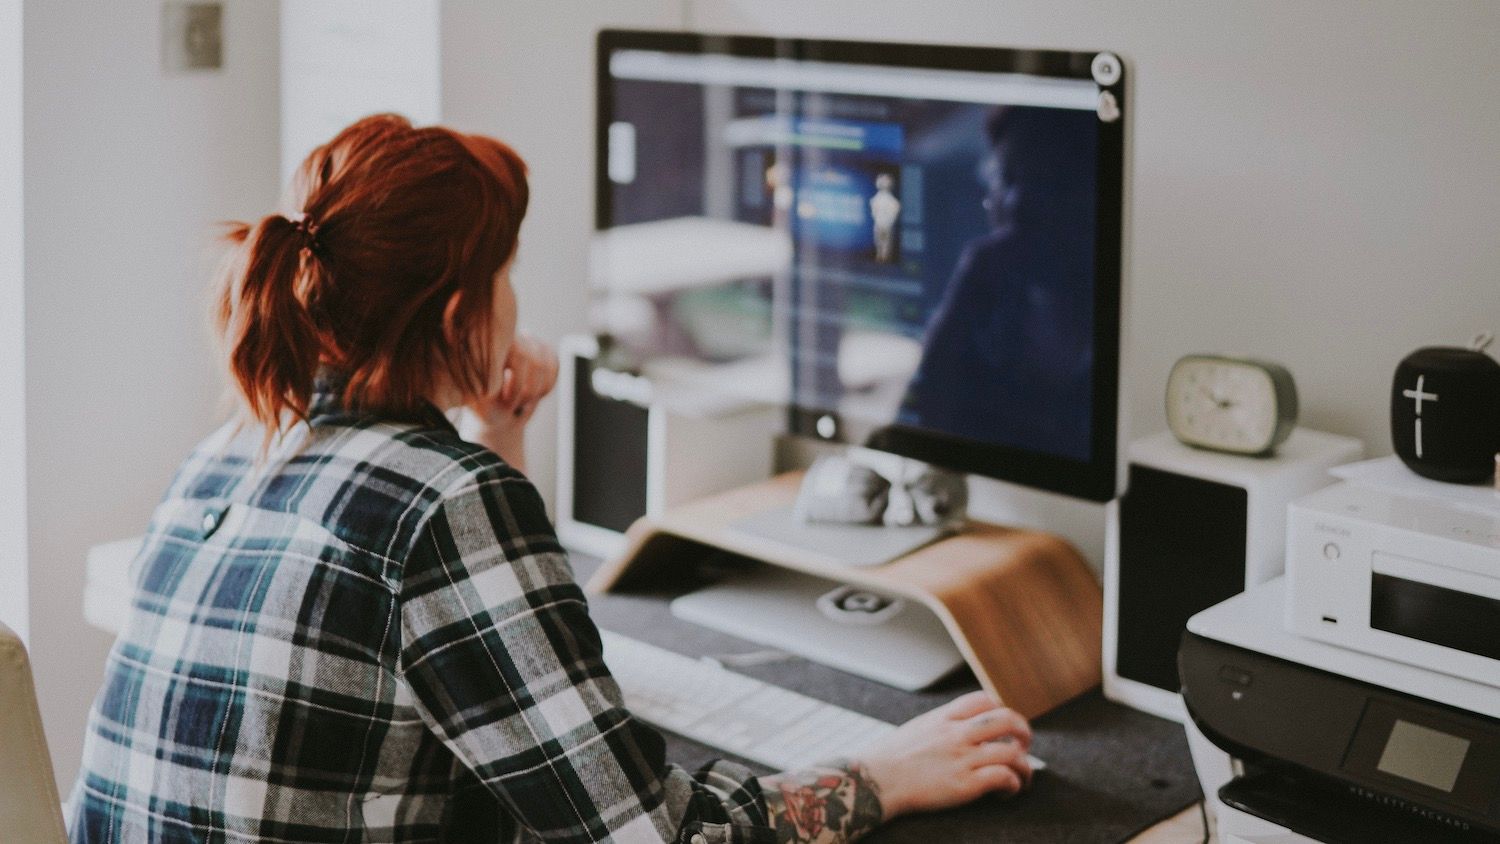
1022	606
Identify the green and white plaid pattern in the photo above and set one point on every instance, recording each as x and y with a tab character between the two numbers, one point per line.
373	635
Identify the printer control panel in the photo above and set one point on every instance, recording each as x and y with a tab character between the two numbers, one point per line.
1437	763
1452	759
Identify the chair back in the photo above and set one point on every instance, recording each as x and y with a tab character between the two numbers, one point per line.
29	808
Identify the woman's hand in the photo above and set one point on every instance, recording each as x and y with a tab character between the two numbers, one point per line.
949	756
530	373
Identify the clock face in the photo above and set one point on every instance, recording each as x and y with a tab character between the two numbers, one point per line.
1230	405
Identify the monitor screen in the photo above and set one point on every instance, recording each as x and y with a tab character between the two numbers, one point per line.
915	247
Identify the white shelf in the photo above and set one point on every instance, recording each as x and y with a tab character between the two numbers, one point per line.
1391	475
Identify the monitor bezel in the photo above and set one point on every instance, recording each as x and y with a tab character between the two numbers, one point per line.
1096	479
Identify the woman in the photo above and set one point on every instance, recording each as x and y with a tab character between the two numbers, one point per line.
352	625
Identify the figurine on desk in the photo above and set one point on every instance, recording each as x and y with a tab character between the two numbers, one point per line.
839	490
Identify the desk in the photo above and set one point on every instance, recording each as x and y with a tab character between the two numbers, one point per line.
1087	794
1112	770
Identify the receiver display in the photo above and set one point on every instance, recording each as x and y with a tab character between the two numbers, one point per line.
1447	617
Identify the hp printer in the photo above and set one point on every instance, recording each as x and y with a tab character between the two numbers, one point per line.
1314	742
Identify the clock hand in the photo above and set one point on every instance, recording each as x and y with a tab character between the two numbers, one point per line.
1213	397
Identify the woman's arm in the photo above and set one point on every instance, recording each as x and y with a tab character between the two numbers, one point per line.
938	760
507	669
834	803
529	374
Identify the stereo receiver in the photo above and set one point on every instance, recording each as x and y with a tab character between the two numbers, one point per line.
1410	578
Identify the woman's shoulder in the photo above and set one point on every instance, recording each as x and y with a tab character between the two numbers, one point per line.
439	457
397	474
417	453
372	483
463	476
471	502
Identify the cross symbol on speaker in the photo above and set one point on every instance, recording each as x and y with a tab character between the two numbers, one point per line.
1418	396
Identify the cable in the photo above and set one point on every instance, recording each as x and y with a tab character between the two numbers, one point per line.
1203	810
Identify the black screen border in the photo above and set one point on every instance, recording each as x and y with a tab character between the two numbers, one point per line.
1096	479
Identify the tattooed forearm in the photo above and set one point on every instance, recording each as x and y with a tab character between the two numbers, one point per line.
833	804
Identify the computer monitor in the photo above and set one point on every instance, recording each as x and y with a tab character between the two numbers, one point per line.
917	247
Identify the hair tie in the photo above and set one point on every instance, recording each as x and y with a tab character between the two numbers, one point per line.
308	228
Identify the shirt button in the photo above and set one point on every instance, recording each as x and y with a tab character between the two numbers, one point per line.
211	521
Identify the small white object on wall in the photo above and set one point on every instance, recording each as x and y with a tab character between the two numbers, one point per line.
192	36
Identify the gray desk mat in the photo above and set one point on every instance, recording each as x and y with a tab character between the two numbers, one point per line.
1112	771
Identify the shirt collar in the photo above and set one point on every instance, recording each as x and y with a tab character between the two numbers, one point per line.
328	400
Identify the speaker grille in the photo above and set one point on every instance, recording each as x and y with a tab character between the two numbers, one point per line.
609	455
1182	550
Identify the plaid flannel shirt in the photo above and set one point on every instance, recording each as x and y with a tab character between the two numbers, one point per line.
373	635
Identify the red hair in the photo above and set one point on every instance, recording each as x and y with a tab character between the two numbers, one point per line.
386	275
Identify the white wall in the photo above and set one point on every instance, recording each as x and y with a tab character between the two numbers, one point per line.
522	71
344	59
126	169
1315	183
12	331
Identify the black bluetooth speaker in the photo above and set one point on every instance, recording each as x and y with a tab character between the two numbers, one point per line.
1445	413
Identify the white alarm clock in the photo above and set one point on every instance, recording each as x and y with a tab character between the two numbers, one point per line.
1236	405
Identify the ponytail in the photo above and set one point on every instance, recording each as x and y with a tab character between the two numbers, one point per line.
271	335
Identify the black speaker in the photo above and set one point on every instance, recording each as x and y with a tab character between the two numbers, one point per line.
602	487
1194	528
1168	573
1445	413
622	453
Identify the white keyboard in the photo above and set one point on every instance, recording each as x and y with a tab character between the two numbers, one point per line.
707	703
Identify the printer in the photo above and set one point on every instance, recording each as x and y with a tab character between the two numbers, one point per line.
1358	698
1296	739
